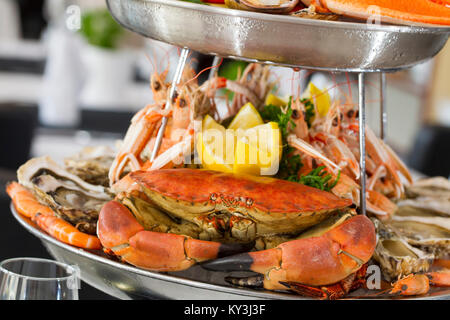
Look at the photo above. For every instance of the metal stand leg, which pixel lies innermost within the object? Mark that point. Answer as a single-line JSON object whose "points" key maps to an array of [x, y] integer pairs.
{"points": [[213, 71], [383, 114], [362, 141], [173, 90]]}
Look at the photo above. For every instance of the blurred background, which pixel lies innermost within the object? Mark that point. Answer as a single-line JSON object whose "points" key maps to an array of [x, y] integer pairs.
{"points": [[70, 77]]}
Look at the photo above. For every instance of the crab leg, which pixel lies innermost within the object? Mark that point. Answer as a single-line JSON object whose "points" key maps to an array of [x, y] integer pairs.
{"points": [[27, 205], [398, 11], [313, 261], [122, 234], [334, 291]]}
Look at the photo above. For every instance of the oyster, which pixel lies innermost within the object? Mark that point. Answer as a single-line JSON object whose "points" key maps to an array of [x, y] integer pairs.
{"points": [[396, 257], [310, 13], [427, 197], [436, 187], [424, 206], [72, 198], [431, 234], [424, 219], [267, 6], [92, 164]]}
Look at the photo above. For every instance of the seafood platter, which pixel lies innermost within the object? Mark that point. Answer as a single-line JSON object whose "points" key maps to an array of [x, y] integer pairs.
{"points": [[249, 194]]}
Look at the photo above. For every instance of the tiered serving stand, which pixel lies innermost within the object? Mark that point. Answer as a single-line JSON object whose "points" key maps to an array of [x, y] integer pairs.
{"points": [[333, 46]]}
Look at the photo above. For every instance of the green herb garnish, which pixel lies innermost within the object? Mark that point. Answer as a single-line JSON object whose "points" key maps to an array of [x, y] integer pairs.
{"points": [[309, 111], [291, 164], [317, 178]]}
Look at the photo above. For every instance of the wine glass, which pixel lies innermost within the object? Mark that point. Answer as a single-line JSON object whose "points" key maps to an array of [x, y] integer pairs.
{"points": [[37, 279]]}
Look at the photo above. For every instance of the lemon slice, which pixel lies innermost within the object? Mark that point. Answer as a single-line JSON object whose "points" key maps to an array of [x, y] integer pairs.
{"points": [[248, 117], [321, 99], [275, 101], [258, 150], [209, 123], [215, 146]]}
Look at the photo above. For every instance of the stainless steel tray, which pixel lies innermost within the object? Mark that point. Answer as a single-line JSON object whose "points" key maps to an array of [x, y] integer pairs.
{"points": [[128, 282], [279, 39]]}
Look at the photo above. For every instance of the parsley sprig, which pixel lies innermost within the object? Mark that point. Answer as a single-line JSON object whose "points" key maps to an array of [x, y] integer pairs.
{"points": [[290, 163], [309, 111], [317, 178]]}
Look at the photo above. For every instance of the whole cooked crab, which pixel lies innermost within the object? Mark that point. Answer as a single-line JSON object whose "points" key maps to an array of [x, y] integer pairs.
{"points": [[174, 218]]}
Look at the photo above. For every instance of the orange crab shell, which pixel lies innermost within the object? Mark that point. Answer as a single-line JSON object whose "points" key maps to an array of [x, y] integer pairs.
{"points": [[314, 261], [285, 205]]}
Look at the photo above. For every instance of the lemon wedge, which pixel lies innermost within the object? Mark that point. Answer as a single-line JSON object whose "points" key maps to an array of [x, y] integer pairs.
{"points": [[248, 146], [215, 146], [275, 101], [258, 150], [320, 98], [247, 117]]}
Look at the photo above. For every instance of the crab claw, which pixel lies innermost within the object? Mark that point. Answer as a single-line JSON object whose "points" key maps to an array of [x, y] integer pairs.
{"points": [[121, 234], [314, 261]]}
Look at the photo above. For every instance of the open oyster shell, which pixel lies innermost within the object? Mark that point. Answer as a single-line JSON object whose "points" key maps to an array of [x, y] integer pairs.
{"points": [[72, 198], [396, 257], [92, 164], [424, 219], [431, 234], [266, 6], [436, 187], [429, 196]]}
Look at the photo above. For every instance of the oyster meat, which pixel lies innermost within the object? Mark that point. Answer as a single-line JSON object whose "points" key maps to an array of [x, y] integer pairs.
{"points": [[396, 256], [72, 198], [266, 6]]}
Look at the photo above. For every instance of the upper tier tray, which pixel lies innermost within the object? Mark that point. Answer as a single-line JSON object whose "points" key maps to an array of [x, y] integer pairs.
{"points": [[280, 39]]}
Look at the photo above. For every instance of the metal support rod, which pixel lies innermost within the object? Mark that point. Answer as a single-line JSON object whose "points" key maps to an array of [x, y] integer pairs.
{"points": [[362, 141], [213, 71], [383, 114], [173, 89]]}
